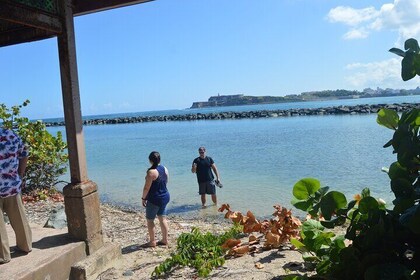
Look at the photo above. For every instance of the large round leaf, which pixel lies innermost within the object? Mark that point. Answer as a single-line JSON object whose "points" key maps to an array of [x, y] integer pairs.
{"points": [[331, 202], [305, 188], [388, 118], [411, 218], [311, 228], [408, 71], [367, 204], [397, 171], [411, 45], [303, 205]]}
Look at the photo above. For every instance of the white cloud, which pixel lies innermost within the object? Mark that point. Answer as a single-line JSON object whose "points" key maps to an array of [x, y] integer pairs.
{"points": [[350, 16], [356, 34], [385, 73], [401, 15]]}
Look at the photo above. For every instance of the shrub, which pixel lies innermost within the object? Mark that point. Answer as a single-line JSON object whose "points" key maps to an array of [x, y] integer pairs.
{"points": [[47, 158], [383, 243]]}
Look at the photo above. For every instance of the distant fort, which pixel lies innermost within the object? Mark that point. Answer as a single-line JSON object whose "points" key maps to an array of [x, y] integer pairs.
{"points": [[240, 99]]}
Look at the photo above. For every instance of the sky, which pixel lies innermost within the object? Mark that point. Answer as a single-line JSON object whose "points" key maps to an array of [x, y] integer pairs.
{"points": [[167, 54]]}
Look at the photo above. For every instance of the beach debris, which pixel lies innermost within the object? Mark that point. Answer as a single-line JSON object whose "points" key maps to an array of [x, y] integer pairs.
{"points": [[259, 265], [230, 243], [275, 231]]}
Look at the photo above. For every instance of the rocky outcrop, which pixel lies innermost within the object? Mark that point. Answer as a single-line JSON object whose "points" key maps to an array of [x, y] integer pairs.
{"points": [[338, 110]]}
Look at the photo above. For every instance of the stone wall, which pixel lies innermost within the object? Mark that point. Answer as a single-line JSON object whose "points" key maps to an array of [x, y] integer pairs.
{"points": [[339, 110]]}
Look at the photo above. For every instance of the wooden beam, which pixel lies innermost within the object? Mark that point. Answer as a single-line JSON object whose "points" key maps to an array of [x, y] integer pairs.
{"points": [[82, 7], [71, 96], [23, 35], [27, 16]]}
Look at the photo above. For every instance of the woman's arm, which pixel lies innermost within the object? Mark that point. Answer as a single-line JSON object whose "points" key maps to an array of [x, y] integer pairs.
{"points": [[150, 176]]}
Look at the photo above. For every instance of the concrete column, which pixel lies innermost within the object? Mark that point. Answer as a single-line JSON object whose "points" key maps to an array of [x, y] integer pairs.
{"points": [[80, 196]]}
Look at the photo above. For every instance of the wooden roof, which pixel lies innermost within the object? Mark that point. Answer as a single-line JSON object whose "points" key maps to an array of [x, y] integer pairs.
{"points": [[24, 21]]}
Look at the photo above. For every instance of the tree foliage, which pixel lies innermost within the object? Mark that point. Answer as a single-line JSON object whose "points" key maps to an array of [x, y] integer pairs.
{"points": [[47, 158], [382, 243]]}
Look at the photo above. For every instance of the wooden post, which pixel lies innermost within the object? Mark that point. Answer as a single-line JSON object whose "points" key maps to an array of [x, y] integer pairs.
{"points": [[71, 96], [81, 198]]}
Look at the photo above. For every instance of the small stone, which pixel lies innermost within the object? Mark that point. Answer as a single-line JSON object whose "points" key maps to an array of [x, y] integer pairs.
{"points": [[128, 273], [57, 218]]}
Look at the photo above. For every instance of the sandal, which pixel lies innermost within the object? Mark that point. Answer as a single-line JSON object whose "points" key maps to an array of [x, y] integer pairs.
{"points": [[161, 243], [148, 245]]}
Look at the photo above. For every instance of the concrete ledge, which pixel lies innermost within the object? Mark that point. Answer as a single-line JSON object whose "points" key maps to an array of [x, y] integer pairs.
{"points": [[52, 256], [104, 258]]}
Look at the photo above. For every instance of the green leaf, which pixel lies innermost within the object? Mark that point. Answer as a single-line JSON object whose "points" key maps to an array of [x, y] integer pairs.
{"points": [[397, 171], [408, 70], [365, 192], [305, 188], [397, 52], [311, 228], [411, 218], [303, 205], [411, 45], [321, 192], [297, 243], [388, 144], [388, 118], [367, 204], [411, 117], [402, 187], [388, 271], [402, 204], [331, 202]]}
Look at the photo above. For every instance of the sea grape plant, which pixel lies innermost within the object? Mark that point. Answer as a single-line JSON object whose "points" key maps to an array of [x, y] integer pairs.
{"points": [[410, 64], [47, 157], [382, 243]]}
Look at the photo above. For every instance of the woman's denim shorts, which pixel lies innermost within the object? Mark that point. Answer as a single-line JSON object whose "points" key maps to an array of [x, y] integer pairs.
{"points": [[152, 210]]}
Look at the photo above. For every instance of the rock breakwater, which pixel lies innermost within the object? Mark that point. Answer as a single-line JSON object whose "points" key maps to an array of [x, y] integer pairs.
{"points": [[338, 110]]}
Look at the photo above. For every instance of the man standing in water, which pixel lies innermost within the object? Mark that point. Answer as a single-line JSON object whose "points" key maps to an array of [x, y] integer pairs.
{"points": [[203, 166]]}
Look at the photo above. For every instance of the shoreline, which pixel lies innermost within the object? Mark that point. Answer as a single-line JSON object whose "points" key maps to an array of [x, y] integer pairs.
{"points": [[128, 229], [229, 115]]}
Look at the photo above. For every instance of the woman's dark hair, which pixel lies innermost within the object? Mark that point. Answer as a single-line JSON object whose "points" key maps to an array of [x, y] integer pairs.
{"points": [[154, 157]]}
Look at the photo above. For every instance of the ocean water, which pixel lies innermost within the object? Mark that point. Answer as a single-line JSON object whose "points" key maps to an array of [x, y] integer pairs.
{"points": [[259, 160]]}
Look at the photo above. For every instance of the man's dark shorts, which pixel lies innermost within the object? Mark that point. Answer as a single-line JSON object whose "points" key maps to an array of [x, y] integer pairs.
{"points": [[207, 188]]}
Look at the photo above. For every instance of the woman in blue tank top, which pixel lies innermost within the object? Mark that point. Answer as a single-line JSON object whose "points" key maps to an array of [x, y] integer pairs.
{"points": [[155, 198]]}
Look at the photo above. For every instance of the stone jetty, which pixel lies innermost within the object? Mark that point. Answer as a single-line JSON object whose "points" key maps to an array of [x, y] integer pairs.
{"points": [[338, 110]]}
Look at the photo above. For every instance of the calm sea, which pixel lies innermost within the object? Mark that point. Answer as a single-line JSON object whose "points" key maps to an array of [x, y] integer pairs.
{"points": [[259, 159]]}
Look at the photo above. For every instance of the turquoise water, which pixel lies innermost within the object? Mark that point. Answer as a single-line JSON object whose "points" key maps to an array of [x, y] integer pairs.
{"points": [[259, 159]]}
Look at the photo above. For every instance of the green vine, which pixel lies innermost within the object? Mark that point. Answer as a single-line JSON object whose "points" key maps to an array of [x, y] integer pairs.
{"points": [[201, 251]]}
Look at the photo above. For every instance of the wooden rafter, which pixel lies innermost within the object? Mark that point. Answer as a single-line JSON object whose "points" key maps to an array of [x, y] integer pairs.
{"points": [[27, 16], [23, 34], [82, 7]]}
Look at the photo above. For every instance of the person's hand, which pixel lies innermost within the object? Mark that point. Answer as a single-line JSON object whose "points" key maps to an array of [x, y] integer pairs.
{"points": [[144, 202]]}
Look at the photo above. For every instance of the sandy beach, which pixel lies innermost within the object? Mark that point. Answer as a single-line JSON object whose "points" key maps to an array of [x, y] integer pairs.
{"points": [[128, 229]]}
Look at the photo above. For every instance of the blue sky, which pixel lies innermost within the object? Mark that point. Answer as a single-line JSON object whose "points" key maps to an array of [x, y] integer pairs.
{"points": [[166, 54]]}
